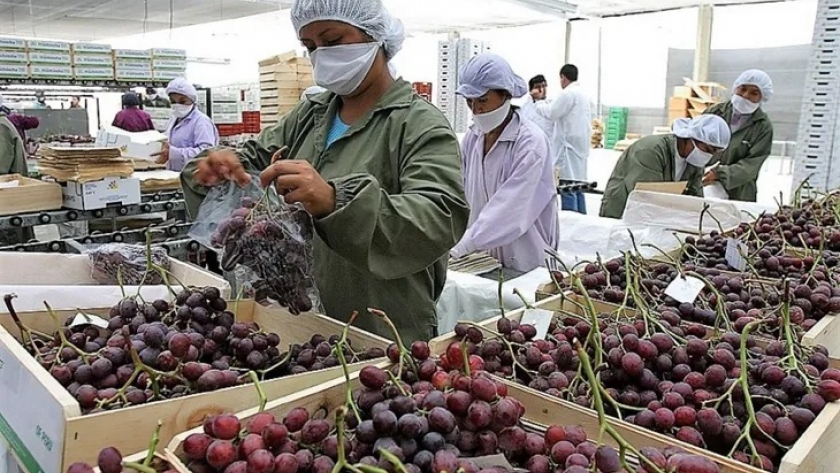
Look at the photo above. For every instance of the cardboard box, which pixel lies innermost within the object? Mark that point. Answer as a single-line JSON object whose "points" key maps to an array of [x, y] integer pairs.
{"points": [[280, 58], [12, 43], [46, 57], [678, 103], [132, 145], [13, 57], [169, 63], [50, 71], [39, 45], [227, 118], [91, 48], [20, 194], [225, 107], [673, 115], [127, 63], [168, 52], [167, 74], [69, 285], [102, 60], [132, 53], [683, 91], [133, 74], [224, 96], [89, 73], [14, 70], [100, 194]]}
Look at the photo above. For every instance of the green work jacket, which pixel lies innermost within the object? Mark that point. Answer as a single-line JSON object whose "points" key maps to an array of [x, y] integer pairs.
{"points": [[748, 148], [651, 159], [400, 205], [12, 155]]}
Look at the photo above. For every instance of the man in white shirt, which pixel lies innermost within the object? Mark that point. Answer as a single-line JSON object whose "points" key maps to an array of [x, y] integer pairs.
{"points": [[538, 87], [570, 113]]}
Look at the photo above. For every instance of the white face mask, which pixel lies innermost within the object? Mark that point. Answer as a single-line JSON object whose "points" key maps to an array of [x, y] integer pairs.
{"points": [[341, 69], [181, 110], [697, 157], [487, 122], [743, 106]]}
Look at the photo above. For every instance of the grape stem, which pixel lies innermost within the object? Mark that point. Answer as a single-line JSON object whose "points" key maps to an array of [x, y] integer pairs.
{"points": [[341, 462], [500, 295], [258, 386], [604, 425], [745, 387], [139, 467], [64, 342], [405, 355], [466, 357], [522, 298], [25, 332], [339, 353], [153, 445]]}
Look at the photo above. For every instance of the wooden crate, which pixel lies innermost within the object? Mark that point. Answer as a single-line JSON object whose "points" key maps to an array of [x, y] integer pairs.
{"points": [[48, 432], [804, 457], [30, 195], [540, 411]]}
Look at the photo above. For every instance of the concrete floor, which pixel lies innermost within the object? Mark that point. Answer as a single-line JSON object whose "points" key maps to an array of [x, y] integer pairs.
{"points": [[776, 176]]}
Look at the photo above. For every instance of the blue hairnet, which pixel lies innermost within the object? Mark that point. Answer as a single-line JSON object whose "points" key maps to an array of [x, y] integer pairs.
{"points": [[181, 86], [757, 78], [487, 72], [369, 16], [709, 129], [130, 99]]}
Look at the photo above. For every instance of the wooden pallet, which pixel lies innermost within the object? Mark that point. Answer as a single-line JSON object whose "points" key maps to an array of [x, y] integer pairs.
{"points": [[66, 436]]}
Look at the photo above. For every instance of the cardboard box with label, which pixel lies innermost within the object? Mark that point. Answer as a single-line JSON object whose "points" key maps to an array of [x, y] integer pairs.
{"points": [[100, 194], [101, 60], [91, 48], [133, 145], [49, 57], [14, 57], [92, 73], [14, 70], [38, 45], [51, 71], [12, 43]]}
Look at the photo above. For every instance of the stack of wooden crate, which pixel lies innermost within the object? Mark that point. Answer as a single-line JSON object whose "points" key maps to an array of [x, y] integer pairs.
{"points": [[693, 98], [283, 78]]}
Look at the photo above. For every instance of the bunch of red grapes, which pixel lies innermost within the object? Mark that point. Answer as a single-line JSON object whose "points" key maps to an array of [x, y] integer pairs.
{"points": [[274, 241], [662, 384], [154, 351]]}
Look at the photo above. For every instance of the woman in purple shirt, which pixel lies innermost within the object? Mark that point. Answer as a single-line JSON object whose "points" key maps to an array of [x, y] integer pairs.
{"points": [[508, 171], [131, 118], [190, 131]]}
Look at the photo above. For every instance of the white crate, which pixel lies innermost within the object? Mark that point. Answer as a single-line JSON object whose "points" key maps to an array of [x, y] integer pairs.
{"points": [[102, 60], [50, 71], [169, 53], [136, 64], [91, 48], [133, 74], [49, 57], [12, 43], [222, 95], [227, 118], [40, 45], [133, 54], [14, 70], [225, 107], [13, 57], [169, 63], [92, 72]]}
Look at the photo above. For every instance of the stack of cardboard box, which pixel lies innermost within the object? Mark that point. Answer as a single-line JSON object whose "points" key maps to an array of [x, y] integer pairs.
{"points": [[693, 99], [283, 78]]}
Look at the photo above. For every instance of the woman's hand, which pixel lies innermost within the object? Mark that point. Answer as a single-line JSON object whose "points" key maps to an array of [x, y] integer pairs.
{"points": [[710, 177], [221, 165], [162, 156], [298, 181]]}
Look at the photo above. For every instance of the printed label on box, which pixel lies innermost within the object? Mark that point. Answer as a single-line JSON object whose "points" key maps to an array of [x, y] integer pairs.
{"points": [[33, 429], [158, 74], [93, 60], [12, 43], [14, 70], [93, 72], [94, 48], [132, 53], [126, 63], [169, 63], [13, 56], [49, 45], [49, 58], [38, 70], [168, 52], [98, 194], [131, 74]]}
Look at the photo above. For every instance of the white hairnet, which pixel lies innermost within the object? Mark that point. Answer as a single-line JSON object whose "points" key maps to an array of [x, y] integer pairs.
{"points": [[757, 78], [369, 16], [181, 86], [313, 90], [709, 129], [487, 72]]}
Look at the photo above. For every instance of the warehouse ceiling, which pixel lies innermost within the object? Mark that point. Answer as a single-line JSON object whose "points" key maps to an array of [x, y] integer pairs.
{"points": [[81, 20]]}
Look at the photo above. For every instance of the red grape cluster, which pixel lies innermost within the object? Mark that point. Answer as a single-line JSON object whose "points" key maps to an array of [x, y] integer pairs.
{"points": [[690, 390], [274, 242], [110, 460], [153, 351]]}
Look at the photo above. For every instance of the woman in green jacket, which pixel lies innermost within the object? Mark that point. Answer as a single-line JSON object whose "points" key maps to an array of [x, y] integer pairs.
{"points": [[679, 156], [12, 154], [377, 166], [752, 136]]}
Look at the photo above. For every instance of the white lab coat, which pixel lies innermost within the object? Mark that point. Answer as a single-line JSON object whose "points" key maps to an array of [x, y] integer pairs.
{"points": [[529, 110], [570, 112]]}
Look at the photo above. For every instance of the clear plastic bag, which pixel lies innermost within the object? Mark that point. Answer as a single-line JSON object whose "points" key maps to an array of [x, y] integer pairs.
{"points": [[264, 242], [115, 263]]}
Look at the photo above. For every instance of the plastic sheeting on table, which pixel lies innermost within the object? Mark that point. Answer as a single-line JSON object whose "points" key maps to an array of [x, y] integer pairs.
{"points": [[679, 212], [473, 298]]}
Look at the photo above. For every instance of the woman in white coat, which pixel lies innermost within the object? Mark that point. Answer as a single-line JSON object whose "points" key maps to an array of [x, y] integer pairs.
{"points": [[571, 114]]}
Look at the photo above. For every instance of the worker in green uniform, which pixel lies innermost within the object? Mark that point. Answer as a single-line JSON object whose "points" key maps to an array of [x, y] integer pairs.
{"points": [[752, 136], [377, 166], [12, 155], [678, 156]]}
